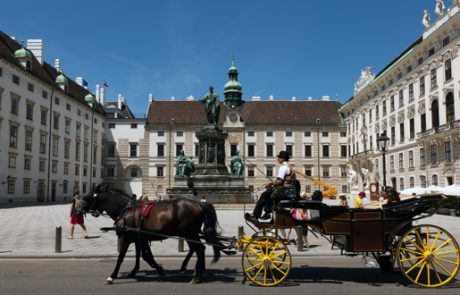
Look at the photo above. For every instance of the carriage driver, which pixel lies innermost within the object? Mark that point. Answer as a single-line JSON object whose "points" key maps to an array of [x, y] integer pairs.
{"points": [[275, 189]]}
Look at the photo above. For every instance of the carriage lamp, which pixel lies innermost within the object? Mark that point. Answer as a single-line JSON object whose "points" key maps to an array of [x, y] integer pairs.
{"points": [[382, 144]]}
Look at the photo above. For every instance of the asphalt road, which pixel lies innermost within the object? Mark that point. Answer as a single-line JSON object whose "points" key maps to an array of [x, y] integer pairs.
{"points": [[309, 275]]}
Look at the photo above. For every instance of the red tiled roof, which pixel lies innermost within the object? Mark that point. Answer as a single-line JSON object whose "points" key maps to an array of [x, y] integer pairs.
{"points": [[251, 112]]}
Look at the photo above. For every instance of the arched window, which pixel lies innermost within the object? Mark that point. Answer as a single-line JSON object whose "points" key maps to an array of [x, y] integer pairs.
{"points": [[450, 108], [434, 179], [412, 182], [422, 181], [401, 184], [435, 114]]}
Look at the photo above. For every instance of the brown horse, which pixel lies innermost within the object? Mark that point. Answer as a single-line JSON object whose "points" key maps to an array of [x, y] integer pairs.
{"points": [[176, 218]]}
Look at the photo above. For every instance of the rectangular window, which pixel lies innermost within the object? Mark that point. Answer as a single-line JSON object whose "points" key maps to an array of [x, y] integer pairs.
{"points": [[308, 151], [85, 152], [307, 134], [26, 187], [160, 172], [269, 150], [325, 151], [431, 51], [133, 150], [27, 163], [134, 172], [111, 150], [326, 134], [370, 116], [55, 146], [434, 155], [392, 163], [377, 112], [289, 149], [66, 168], [423, 122], [393, 135], [269, 133], [412, 128], [77, 151], [15, 79], [401, 98], [308, 171], [54, 167], [41, 165], [85, 171], [56, 121], [11, 183], [445, 41], [343, 134], [422, 157], [161, 133], [422, 85], [448, 70], [67, 148], [111, 125], [30, 87], [30, 111], [401, 132], [288, 133], [434, 79], [179, 133], [392, 103], [14, 105], [343, 151], [45, 94], [161, 150], [12, 161], [57, 101], [251, 150], [110, 171], [448, 151], [343, 171], [409, 69], [401, 161], [326, 171], [179, 148], [269, 172], [134, 126], [13, 136], [77, 169], [28, 140], [43, 117], [250, 133], [67, 125], [65, 187], [411, 92], [251, 172], [384, 108], [233, 149], [68, 107], [78, 130]]}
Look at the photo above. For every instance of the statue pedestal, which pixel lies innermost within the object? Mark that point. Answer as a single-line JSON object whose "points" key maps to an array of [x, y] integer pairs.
{"points": [[211, 178]]}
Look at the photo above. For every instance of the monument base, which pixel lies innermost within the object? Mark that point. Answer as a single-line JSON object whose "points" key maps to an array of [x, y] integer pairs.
{"points": [[216, 189]]}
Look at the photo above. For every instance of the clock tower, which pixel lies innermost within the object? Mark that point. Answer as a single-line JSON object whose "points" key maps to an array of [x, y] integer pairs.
{"points": [[233, 90]]}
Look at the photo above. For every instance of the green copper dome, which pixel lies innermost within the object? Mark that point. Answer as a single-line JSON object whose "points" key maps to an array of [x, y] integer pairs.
{"points": [[62, 80], [90, 98], [233, 85], [23, 53]]}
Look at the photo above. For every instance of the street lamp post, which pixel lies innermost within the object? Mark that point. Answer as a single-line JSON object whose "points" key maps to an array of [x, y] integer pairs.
{"points": [[382, 143]]}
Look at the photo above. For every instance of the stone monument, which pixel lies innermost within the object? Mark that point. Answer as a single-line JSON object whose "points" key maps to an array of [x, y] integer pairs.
{"points": [[211, 177]]}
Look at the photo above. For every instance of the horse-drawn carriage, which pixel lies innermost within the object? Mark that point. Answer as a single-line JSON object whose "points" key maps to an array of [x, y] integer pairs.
{"points": [[427, 255]]}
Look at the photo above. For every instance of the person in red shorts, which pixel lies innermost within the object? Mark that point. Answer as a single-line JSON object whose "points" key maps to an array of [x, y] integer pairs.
{"points": [[77, 218]]}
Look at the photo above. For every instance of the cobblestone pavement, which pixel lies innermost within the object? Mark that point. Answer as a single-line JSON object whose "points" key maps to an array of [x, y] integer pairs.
{"points": [[29, 231]]}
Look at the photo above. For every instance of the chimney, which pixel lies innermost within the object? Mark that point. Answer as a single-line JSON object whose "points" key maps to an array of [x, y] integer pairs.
{"points": [[293, 98], [190, 98], [310, 98], [119, 101], [101, 96], [150, 98], [326, 98], [271, 97], [97, 93], [36, 47], [255, 98], [57, 64]]}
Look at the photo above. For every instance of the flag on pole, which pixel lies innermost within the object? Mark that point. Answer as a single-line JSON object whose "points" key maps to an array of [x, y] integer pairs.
{"points": [[105, 84]]}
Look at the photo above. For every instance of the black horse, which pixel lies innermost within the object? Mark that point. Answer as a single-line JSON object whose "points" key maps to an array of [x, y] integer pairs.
{"points": [[176, 218]]}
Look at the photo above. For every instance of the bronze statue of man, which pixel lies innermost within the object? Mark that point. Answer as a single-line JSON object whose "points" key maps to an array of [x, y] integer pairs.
{"points": [[212, 106]]}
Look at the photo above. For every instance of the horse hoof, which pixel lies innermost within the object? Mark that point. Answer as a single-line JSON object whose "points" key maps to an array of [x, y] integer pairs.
{"points": [[108, 281]]}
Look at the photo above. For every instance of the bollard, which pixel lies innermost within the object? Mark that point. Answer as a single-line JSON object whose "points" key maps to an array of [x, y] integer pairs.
{"points": [[240, 236], [299, 233], [181, 245], [58, 241]]}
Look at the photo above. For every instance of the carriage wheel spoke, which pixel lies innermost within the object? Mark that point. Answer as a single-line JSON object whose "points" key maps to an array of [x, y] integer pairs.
{"points": [[274, 248], [420, 272], [412, 251], [446, 260], [441, 266], [253, 266], [428, 273], [279, 270], [279, 254], [255, 253], [418, 237], [447, 252], [411, 258], [435, 240], [436, 272], [416, 246], [265, 276], [427, 242], [280, 262], [257, 274], [273, 275], [442, 245], [413, 266]]}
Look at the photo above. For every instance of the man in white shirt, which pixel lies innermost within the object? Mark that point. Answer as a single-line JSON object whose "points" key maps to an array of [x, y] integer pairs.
{"points": [[284, 176]]}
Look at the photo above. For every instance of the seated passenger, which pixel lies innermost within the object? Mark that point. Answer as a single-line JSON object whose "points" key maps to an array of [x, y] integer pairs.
{"points": [[316, 196], [359, 200], [343, 201], [284, 179], [390, 195]]}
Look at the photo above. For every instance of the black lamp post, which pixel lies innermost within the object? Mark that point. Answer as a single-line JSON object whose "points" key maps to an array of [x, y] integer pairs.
{"points": [[382, 143]]}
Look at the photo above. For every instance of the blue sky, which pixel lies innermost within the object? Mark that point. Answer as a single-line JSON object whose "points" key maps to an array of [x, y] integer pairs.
{"points": [[178, 48]]}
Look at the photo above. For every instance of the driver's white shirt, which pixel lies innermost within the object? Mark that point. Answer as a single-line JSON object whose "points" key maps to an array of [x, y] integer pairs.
{"points": [[283, 171]]}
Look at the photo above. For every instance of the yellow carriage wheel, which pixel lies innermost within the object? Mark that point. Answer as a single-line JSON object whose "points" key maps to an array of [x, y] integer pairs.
{"points": [[428, 256], [266, 261]]}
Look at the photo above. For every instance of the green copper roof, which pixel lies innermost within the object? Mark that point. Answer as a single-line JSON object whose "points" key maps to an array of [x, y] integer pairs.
{"points": [[90, 98], [62, 80], [233, 85], [23, 53]]}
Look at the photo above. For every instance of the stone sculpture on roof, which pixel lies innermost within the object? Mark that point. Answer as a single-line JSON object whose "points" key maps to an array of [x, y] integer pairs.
{"points": [[426, 19], [365, 78], [439, 8]]}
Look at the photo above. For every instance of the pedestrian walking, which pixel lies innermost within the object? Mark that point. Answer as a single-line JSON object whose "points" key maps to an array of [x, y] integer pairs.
{"points": [[77, 218]]}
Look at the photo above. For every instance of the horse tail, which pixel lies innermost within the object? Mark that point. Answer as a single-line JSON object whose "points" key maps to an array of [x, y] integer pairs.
{"points": [[210, 229]]}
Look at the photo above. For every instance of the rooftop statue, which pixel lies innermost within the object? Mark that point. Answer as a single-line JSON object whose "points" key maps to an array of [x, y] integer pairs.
{"points": [[212, 106], [439, 8], [365, 78], [426, 19], [457, 3]]}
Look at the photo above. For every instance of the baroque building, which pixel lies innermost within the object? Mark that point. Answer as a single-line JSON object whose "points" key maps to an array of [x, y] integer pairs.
{"points": [[415, 101], [51, 127]]}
